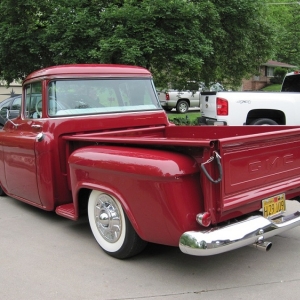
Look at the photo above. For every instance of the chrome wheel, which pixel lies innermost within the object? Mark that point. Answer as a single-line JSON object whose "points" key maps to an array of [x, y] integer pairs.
{"points": [[182, 107], [111, 227], [108, 219]]}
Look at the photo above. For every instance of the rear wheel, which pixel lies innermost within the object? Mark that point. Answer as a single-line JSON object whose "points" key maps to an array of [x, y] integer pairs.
{"points": [[264, 121], [182, 106], [111, 227]]}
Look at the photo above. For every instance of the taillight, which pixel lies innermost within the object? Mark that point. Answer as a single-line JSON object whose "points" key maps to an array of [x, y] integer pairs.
{"points": [[222, 107], [167, 96], [204, 219]]}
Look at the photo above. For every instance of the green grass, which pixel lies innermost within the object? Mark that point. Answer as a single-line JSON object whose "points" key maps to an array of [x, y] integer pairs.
{"points": [[272, 88]]}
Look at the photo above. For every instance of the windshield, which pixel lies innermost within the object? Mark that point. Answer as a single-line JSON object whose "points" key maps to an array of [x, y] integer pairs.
{"points": [[90, 96]]}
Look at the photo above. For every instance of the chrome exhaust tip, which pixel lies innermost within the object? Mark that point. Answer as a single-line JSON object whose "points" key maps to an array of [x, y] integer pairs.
{"points": [[262, 246]]}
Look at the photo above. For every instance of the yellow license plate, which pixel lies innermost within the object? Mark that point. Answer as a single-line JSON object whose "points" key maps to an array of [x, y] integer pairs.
{"points": [[273, 206]]}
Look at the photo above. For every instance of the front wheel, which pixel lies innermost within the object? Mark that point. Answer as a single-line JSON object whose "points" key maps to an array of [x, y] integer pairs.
{"points": [[182, 107], [264, 121], [111, 227]]}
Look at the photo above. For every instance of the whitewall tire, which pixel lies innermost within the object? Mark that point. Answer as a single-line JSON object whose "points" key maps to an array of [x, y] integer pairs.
{"points": [[111, 227]]}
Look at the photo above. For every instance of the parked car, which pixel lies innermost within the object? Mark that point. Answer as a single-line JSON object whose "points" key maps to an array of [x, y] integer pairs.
{"points": [[183, 100], [253, 108], [13, 104]]}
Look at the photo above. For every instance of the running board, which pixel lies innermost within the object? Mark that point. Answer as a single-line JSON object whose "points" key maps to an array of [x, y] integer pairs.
{"points": [[67, 211]]}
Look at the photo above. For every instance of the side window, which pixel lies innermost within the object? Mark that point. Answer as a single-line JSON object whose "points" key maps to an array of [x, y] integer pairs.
{"points": [[33, 100]]}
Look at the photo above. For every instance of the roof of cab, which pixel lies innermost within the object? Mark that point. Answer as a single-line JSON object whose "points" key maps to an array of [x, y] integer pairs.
{"points": [[297, 72], [88, 70]]}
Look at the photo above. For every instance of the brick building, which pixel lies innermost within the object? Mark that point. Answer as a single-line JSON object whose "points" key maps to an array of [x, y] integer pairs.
{"points": [[266, 72]]}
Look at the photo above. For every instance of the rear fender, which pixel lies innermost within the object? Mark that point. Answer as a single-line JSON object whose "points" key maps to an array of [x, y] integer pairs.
{"points": [[159, 190], [273, 114]]}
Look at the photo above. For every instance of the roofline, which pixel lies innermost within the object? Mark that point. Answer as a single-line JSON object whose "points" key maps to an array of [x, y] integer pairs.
{"points": [[79, 70], [272, 63]]}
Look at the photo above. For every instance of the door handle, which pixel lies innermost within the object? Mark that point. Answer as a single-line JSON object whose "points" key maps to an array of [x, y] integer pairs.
{"points": [[39, 137]]}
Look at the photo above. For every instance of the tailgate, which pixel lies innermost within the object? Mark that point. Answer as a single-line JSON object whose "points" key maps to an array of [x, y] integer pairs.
{"points": [[208, 104], [254, 168]]}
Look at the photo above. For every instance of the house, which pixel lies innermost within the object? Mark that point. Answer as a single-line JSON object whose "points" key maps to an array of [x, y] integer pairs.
{"points": [[14, 88], [266, 72]]}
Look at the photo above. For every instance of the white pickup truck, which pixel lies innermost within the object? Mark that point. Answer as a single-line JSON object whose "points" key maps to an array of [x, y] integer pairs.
{"points": [[253, 108], [183, 100]]}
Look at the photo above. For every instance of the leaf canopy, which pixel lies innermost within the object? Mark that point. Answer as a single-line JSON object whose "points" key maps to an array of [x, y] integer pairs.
{"points": [[177, 40]]}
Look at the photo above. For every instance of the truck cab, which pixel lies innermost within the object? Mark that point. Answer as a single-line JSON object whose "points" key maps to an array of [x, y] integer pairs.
{"points": [[60, 101]]}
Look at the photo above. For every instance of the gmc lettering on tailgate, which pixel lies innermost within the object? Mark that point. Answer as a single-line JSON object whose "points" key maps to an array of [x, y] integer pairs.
{"points": [[270, 163], [254, 169]]}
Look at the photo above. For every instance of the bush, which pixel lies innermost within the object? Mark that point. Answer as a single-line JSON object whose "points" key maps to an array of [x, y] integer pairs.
{"points": [[184, 121], [279, 74]]}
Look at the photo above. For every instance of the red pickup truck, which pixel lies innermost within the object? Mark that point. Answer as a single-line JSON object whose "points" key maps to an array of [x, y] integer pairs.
{"points": [[94, 139]]}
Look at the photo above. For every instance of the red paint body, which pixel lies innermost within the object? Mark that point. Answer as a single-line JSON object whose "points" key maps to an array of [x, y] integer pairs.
{"points": [[151, 166]]}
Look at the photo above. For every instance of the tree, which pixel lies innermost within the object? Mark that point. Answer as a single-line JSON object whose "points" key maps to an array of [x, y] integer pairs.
{"points": [[244, 42], [167, 37], [178, 40], [284, 17], [21, 45]]}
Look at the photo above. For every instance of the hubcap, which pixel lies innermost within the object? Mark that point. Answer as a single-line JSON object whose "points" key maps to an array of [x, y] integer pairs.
{"points": [[183, 107], [107, 218]]}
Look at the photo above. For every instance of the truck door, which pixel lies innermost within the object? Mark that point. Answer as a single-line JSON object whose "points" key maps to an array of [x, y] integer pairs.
{"points": [[19, 149]]}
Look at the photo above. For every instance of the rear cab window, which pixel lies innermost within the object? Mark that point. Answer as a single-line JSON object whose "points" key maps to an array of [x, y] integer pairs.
{"points": [[93, 96]]}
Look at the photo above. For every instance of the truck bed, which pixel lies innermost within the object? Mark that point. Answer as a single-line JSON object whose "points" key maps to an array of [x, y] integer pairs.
{"points": [[257, 162]]}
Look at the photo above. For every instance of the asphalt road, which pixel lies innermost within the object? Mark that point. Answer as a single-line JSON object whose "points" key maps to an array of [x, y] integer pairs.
{"points": [[44, 256]]}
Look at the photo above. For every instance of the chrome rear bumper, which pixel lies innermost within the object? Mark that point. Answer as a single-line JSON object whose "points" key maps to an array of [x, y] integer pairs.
{"points": [[253, 230]]}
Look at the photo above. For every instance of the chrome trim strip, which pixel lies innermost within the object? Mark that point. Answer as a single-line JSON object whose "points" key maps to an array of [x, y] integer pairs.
{"points": [[237, 235]]}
